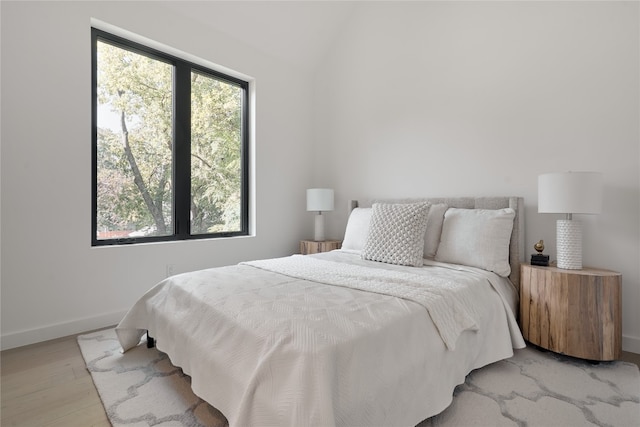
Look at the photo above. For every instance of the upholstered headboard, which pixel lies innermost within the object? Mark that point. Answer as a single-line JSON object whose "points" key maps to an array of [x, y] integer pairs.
{"points": [[516, 246]]}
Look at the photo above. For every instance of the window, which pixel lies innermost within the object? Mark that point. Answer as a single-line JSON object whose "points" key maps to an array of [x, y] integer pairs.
{"points": [[170, 147]]}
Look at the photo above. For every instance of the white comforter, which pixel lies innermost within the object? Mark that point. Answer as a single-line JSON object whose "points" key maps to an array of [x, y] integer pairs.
{"points": [[273, 349]]}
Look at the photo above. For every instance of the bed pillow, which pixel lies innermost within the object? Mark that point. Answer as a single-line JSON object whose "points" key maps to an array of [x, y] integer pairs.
{"points": [[434, 229], [396, 233], [478, 238], [355, 235]]}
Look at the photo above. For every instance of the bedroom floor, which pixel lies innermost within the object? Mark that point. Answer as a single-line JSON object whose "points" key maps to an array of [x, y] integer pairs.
{"points": [[47, 384]]}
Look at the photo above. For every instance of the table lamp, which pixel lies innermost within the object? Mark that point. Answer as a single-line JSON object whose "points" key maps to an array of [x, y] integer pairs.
{"points": [[570, 193], [319, 200]]}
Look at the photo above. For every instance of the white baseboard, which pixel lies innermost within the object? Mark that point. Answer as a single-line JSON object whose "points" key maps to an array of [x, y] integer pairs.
{"points": [[631, 344], [59, 330]]}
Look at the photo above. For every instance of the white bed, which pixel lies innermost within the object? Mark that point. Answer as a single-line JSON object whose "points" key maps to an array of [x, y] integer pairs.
{"points": [[339, 339]]}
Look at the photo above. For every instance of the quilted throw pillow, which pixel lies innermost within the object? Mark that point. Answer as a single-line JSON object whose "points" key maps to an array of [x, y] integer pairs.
{"points": [[396, 233]]}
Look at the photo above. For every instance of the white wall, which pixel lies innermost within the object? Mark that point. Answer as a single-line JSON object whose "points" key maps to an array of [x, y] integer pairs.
{"points": [[53, 282], [478, 99]]}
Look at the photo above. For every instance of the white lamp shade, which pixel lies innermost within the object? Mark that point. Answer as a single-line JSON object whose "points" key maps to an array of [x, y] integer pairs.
{"points": [[319, 199], [570, 192]]}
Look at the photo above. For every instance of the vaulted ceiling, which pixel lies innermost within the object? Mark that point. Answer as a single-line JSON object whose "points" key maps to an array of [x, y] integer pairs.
{"points": [[298, 32]]}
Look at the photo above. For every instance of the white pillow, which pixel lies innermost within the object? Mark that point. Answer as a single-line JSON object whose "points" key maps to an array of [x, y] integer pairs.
{"points": [[434, 229], [355, 235], [478, 238], [396, 233]]}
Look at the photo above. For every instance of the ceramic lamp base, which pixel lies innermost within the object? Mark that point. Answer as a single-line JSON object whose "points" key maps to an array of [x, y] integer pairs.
{"points": [[318, 235], [569, 241]]}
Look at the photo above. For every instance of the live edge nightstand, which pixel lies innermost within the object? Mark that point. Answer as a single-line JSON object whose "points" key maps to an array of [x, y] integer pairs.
{"points": [[313, 247], [573, 312]]}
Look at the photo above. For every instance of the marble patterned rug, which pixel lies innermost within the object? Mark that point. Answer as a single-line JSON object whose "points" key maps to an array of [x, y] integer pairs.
{"points": [[533, 388]]}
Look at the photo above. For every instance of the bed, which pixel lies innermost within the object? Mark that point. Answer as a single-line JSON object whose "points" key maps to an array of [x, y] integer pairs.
{"points": [[379, 332]]}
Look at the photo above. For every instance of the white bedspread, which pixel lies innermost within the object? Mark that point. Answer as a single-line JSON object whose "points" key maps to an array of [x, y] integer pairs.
{"points": [[267, 348], [450, 302]]}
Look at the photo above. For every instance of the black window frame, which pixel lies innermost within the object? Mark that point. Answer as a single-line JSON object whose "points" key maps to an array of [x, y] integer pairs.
{"points": [[181, 143]]}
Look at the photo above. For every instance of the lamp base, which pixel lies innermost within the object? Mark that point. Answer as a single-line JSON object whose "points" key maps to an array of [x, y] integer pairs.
{"points": [[569, 241], [318, 234]]}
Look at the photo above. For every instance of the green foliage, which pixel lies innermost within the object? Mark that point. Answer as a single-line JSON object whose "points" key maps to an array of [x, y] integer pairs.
{"points": [[215, 154], [135, 154]]}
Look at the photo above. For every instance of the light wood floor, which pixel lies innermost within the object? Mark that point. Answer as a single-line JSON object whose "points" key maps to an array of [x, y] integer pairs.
{"points": [[47, 384]]}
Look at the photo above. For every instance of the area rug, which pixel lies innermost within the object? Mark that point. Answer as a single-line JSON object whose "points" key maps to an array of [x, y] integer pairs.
{"points": [[533, 388]]}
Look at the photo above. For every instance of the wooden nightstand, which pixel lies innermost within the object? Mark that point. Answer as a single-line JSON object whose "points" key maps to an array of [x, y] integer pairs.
{"points": [[313, 247], [573, 312]]}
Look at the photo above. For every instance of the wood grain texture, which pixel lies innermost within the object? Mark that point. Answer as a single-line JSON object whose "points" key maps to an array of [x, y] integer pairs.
{"points": [[312, 247], [47, 384], [573, 312]]}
